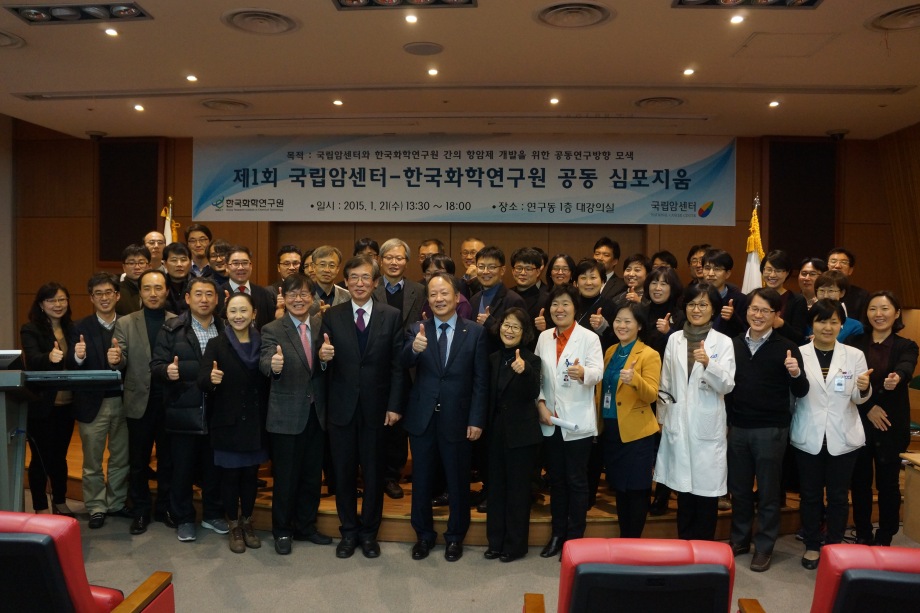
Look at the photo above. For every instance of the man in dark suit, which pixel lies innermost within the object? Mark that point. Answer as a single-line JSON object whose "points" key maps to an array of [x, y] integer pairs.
{"points": [[607, 252], [717, 268], [100, 414], [490, 302], [856, 298], [239, 267], [447, 411], [408, 297], [360, 354], [296, 415]]}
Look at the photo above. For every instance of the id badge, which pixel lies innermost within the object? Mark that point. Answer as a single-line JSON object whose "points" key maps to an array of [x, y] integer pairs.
{"points": [[607, 400], [839, 384]]}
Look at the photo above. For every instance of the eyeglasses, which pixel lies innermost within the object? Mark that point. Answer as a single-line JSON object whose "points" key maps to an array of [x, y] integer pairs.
{"points": [[198, 241], [698, 306], [136, 263], [487, 267], [511, 327], [326, 265], [758, 311], [711, 268], [823, 291], [468, 252], [835, 262], [399, 259], [56, 300], [561, 269], [696, 261], [769, 270], [104, 294], [295, 295], [361, 278], [527, 269], [217, 256], [809, 273], [239, 264]]}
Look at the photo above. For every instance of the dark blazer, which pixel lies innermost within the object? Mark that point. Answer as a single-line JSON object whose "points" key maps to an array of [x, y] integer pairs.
{"points": [[36, 347], [795, 319], [86, 403], [504, 299], [896, 402], [265, 300], [178, 339], [292, 390], [460, 388], [513, 399], [370, 382], [236, 407], [737, 324], [856, 300], [413, 299], [613, 288]]}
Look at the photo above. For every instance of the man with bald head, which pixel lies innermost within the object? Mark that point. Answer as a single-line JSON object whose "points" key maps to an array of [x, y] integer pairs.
{"points": [[155, 242]]}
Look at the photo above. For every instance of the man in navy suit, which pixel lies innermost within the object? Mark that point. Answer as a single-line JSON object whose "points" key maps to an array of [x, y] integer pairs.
{"points": [[362, 340], [446, 412]]}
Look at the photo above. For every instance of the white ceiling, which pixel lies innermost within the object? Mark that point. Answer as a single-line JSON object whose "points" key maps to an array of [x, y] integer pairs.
{"points": [[498, 70]]}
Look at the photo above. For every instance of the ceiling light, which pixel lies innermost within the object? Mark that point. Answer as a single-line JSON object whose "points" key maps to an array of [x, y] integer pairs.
{"points": [[65, 13], [337, 102], [688, 71], [736, 19], [756, 4], [554, 100], [433, 71], [96, 12], [191, 78], [348, 5], [418, 2], [387, 2], [111, 31], [351, 3], [34, 15], [124, 10], [774, 104], [411, 18], [73, 13], [138, 107]]}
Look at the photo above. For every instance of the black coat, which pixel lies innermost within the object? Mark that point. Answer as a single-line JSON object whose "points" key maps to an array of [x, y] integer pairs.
{"points": [[37, 344], [236, 407], [513, 399], [177, 339], [86, 403]]}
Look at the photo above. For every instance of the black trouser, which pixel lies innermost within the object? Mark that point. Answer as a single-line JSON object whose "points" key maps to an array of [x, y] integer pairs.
{"points": [[568, 482], [818, 473], [143, 432], [887, 468], [697, 516], [49, 438], [192, 456], [351, 445], [298, 466], [508, 520], [238, 489]]}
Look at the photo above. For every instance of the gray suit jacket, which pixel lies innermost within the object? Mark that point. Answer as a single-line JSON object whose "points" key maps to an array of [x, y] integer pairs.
{"points": [[131, 334], [292, 391], [413, 300]]}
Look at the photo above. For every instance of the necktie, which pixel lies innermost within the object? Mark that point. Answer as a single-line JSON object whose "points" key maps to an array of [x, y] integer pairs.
{"points": [[360, 321], [305, 341], [241, 289], [442, 343]]}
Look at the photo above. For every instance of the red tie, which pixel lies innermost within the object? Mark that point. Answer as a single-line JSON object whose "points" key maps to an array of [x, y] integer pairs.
{"points": [[305, 341], [242, 289]]}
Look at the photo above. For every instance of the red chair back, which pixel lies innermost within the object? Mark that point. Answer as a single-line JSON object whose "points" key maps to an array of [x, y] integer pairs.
{"points": [[837, 559]]}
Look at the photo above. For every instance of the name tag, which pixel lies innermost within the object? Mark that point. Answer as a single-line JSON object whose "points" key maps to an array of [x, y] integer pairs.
{"points": [[839, 383]]}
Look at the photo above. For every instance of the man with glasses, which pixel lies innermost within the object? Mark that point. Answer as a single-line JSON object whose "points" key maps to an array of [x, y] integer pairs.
{"points": [[407, 297], [326, 262], [135, 259], [155, 242], [468, 250], [768, 367], [695, 260], [856, 298], [239, 267], [490, 302], [834, 285], [717, 268], [100, 415], [362, 340], [217, 260], [526, 266], [198, 238]]}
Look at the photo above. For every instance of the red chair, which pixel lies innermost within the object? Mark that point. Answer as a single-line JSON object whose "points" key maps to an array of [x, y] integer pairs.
{"points": [[41, 569], [634, 563]]}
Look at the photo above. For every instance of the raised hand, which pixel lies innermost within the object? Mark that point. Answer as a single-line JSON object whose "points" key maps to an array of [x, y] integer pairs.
{"points": [[700, 355], [279, 301], [79, 350], [728, 310], [891, 381], [482, 317], [56, 354], [664, 325], [576, 371], [632, 296], [277, 360], [518, 364], [540, 322], [424, 316], [862, 381], [420, 343], [326, 350], [172, 371], [596, 320], [217, 375], [113, 355], [628, 374], [323, 306], [791, 364]]}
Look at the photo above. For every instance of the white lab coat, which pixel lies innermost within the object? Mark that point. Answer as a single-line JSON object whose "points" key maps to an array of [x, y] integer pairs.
{"points": [[693, 455], [825, 411], [574, 403]]}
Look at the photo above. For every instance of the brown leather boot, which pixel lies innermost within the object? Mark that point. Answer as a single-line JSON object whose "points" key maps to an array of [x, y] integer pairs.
{"points": [[237, 544], [249, 535]]}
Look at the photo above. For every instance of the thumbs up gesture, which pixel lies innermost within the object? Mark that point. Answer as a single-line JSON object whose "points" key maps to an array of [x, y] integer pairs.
{"points": [[172, 371], [424, 316], [482, 317], [326, 350], [79, 350], [699, 355], [728, 310], [277, 360], [792, 365], [518, 364], [862, 381], [891, 381], [279, 301], [631, 295], [596, 320], [664, 325], [576, 371], [217, 375], [628, 374], [113, 355], [540, 321], [323, 307], [56, 354], [420, 343]]}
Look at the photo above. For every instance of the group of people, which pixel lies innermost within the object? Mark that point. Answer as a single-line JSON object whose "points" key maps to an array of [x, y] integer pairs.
{"points": [[574, 370]]}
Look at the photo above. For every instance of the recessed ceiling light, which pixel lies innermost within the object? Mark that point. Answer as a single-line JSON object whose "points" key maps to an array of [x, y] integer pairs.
{"points": [[411, 18], [737, 19], [689, 71], [138, 107], [337, 102], [191, 78], [433, 71], [554, 100], [111, 31], [774, 104]]}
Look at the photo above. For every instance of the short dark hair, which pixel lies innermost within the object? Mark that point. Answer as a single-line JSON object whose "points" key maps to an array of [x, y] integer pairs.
{"points": [[135, 250], [818, 264], [527, 330], [833, 277], [552, 261], [696, 249], [768, 294], [150, 271], [665, 256], [285, 249], [441, 261], [898, 323], [433, 241], [692, 292], [850, 255], [640, 312], [719, 257], [543, 255], [102, 278], [220, 246], [527, 255], [366, 243], [641, 259], [239, 249], [176, 249], [778, 259], [297, 281], [199, 227], [824, 309], [362, 260], [606, 241], [206, 280], [493, 252], [585, 265], [563, 290], [669, 275], [454, 283], [235, 295]]}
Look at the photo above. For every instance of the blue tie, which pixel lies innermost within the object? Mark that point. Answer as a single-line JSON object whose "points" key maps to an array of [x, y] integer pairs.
{"points": [[442, 344]]}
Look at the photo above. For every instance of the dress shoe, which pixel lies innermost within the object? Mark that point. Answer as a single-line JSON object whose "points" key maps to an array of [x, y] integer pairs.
{"points": [[139, 525], [510, 557], [553, 547], [492, 554], [168, 520], [421, 549], [810, 559], [761, 562], [318, 538], [283, 545], [346, 547], [454, 551], [738, 549], [370, 548], [869, 541], [483, 506], [440, 501], [61, 509], [122, 512], [96, 520], [393, 490]]}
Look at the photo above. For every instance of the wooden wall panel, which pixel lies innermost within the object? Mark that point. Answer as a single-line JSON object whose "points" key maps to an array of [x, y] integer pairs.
{"points": [[54, 178], [49, 250]]}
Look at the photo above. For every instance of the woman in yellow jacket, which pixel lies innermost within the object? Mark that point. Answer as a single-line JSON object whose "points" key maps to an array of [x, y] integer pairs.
{"points": [[626, 422]]}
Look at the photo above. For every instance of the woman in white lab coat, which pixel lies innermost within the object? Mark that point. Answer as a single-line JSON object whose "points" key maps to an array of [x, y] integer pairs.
{"points": [[697, 371], [826, 429], [572, 364]]}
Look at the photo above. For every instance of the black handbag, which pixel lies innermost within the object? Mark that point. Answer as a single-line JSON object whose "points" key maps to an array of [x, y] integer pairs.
{"points": [[188, 420]]}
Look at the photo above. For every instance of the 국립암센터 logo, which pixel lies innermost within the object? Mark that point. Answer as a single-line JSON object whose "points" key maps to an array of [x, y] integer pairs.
{"points": [[705, 209]]}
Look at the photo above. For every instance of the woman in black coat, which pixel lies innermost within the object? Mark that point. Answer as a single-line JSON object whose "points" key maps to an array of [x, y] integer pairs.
{"points": [[515, 437], [237, 400], [885, 418], [49, 424]]}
